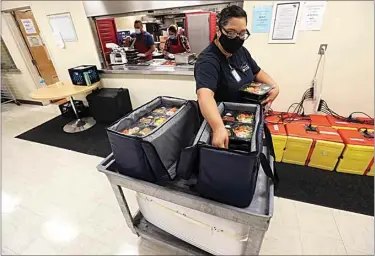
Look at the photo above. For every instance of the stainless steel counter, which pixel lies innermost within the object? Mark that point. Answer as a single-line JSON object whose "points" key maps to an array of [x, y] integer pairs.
{"points": [[155, 68]]}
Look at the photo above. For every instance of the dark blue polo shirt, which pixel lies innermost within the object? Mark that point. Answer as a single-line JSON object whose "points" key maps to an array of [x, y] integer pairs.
{"points": [[148, 39], [212, 70]]}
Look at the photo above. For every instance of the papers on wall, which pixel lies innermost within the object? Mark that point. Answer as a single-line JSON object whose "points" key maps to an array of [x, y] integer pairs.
{"points": [[58, 39], [312, 15], [262, 16], [285, 22], [34, 41], [63, 24], [29, 26]]}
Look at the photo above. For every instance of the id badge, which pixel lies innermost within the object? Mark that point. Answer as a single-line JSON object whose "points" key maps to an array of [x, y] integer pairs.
{"points": [[236, 75]]}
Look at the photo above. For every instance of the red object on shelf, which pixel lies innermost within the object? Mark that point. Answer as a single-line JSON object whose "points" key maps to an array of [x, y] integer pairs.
{"points": [[107, 33]]}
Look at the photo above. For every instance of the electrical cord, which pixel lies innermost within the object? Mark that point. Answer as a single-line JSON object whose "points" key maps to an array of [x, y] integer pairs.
{"points": [[293, 114], [325, 109], [359, 112]]}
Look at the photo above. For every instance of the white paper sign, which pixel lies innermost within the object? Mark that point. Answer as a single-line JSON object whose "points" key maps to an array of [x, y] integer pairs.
{"points": [[312, 15], [58, 39], [29, 26], [285, 21], [34, 41], [63, 24]]}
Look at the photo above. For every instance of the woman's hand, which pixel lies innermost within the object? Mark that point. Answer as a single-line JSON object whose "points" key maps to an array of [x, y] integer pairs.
{"points": [[271, 97], [220, 137]]}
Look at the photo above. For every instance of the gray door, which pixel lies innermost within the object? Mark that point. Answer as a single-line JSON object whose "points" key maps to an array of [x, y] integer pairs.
{"points": [[198, 31]]}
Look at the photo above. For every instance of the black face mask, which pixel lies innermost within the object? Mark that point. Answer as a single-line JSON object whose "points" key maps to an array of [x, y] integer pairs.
{"points": [[230, 45]]}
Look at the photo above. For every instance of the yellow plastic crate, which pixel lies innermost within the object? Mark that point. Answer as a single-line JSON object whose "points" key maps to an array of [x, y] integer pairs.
{"points": [[296, 150], [355, 159], [279, 142], [326, 154]]}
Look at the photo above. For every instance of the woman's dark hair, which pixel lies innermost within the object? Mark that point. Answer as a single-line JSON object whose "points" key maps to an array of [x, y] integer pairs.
{"points": [[137, 21], [172, 28], [227, 13]]}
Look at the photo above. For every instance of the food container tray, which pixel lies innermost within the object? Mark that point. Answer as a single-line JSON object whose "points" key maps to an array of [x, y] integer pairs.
{"points": [[255, 92]]}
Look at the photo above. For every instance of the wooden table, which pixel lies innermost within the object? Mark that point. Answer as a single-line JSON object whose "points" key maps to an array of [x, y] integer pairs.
{"points": [[66, 89]]}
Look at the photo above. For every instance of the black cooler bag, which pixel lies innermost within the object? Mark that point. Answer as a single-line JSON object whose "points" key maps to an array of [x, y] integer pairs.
{"points": [[153, 157], [228, 175], [109, 104]]}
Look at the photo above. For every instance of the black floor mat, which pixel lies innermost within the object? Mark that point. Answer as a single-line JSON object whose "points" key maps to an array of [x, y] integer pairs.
{"points": [[94, 141], [354, 193], [348, 192]]}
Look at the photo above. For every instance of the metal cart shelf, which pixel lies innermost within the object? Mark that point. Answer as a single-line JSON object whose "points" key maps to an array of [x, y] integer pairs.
{"points": [[257, 216]]}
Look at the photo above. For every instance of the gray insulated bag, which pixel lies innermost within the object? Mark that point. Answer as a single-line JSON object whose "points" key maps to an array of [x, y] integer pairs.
{"points": [[153, 157], [229, 175]]}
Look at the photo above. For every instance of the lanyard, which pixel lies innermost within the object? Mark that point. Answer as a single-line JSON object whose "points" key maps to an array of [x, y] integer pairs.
{"points": [[234, 73]]}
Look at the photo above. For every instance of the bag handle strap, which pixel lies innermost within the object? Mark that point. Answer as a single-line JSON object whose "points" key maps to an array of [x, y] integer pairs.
{"points": [[269, 143], [268, 171], [264, 161]]}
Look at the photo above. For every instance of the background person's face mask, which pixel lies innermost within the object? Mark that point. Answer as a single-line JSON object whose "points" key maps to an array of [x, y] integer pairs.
{"points": [[173, 36], [230, 45], [137, 30]]}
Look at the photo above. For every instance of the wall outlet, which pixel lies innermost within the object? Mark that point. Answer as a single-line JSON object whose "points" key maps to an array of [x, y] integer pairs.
{"points": [[322, 49]]}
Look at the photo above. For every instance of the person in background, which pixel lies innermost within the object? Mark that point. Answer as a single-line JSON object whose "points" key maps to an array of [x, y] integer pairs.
{"points": [[224, 67], [144, 43], [175, 43]]}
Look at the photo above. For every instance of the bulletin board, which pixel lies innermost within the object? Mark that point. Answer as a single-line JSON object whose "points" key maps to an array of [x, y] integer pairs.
{"points": [[63, 24]]}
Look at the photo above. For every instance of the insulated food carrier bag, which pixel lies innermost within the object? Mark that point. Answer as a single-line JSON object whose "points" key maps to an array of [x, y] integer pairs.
{"points": [[228, 175], [153, 157]]}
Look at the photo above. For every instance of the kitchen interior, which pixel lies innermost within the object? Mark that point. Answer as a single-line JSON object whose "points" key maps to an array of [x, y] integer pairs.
{"points": [[196, 20]]}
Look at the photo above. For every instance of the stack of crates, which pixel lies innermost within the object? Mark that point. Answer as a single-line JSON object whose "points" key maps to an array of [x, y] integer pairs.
{"points": [[358, 152], [298, 144], [321, 148], [328, 147], [279, 139]]}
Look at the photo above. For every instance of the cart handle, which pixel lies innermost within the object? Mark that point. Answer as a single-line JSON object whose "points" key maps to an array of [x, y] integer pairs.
{"points": [[108, 161]]}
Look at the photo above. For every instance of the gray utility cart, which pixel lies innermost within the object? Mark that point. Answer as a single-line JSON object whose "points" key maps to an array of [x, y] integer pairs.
{"points": [[257, 216]]}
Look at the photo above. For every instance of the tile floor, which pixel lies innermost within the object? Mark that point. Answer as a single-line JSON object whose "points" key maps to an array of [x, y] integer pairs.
{"points": [[55, 202]]}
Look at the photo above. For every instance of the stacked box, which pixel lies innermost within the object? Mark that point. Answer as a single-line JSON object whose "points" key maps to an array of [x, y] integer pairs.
{"points": [[326, 149], [298, 144], [358, 152], [279, 139], [318, 148]]}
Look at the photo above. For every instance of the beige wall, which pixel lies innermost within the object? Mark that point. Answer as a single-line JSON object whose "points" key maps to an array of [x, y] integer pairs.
{"points": [[126, 23], [80, 52], [143, 88], [348, 29], [348, 83]]}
